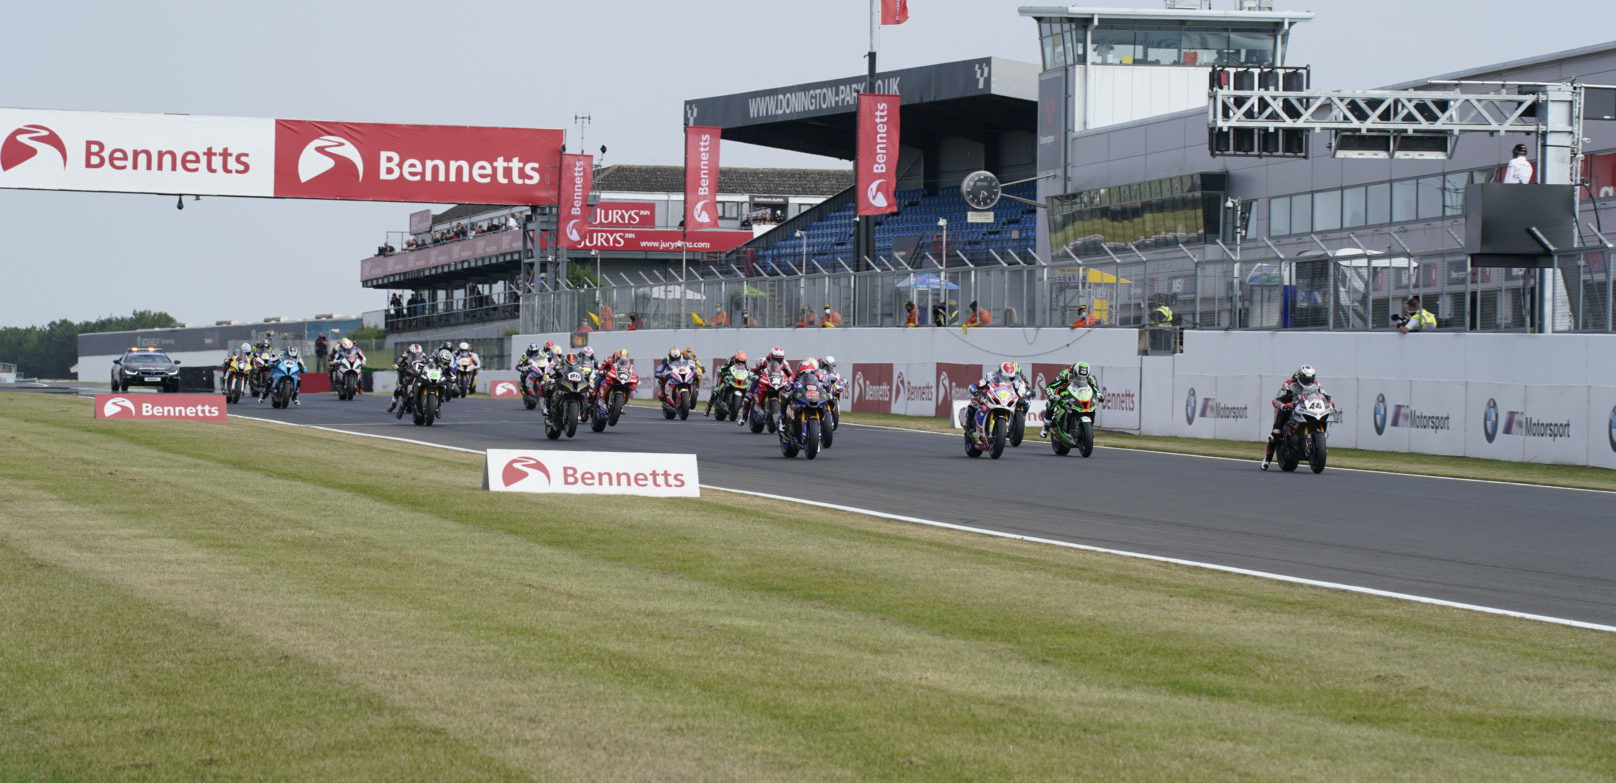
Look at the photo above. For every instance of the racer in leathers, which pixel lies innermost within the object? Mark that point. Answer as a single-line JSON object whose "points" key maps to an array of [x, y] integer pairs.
{"points": [[297, 380], [720, 374], [1009, 373], [619, 359], [345, 349], [807, 371], [774, 361], [1304, 376], [689, 355], [408, 364], [463, 351], [662, 371], [1079, 373]]}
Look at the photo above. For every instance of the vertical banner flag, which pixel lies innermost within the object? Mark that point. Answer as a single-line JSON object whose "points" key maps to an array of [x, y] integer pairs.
{"points": [[877, 154], [701, 177], [577, 179], [894, 11]]}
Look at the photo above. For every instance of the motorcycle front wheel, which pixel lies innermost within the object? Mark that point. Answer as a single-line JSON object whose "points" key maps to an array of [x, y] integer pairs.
{"points": [[616, 409], [1316, 460], [811, 441], [1085, 438], [999, 437], [571, 413], [1018, 428], [430, 403], [684, 406], [772, 417]]}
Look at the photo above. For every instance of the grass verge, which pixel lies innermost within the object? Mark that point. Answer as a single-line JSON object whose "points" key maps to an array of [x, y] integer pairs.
{"points": [[248, 601]]}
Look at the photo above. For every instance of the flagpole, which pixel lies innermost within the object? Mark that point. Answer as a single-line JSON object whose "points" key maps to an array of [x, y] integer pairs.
{"points": [[864, 234]]}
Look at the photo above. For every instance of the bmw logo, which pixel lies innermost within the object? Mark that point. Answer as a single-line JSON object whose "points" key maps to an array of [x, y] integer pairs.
{"points": [[1189, 407], [1489, 420], [1380, 414], [1611, 431]]}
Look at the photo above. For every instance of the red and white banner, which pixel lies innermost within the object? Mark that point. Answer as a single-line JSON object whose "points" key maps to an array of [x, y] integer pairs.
{"points": [[701, 177], [592, 473], [663, 240], [577, 179], [877, 154], [182, 407], [245, 156], [504, 389], [894, 11], [624, 214]]}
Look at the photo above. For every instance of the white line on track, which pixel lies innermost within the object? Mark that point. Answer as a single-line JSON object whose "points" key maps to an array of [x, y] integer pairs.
{"points": [[1067, 544]]}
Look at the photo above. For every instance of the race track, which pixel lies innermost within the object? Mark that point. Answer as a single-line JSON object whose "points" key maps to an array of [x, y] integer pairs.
{"points": [[1534, 550]]}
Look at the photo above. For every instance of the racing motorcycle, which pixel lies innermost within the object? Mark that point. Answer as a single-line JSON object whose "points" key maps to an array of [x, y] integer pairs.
{"points": [[676, 397], [729, 394], [802, 425], [238, 378], [833, 382], [262, 363], [431, 388], [532, 381], [345, 373], [763, 408], [466, 376], [1018, 423], [617, 385], [283, 381], [1303, 435], [988, 426], [1071, 419], [568, 394]]}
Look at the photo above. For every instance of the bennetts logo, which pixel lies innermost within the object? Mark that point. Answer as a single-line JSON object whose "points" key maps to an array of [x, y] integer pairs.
{"points": [[320, 156], [522, 468], [873, 194], [24, 143], [118, 408]]}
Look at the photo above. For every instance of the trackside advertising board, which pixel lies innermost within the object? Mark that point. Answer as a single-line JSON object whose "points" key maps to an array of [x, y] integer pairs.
{"points": [[247, 156], [592, 473], [181, 407]]}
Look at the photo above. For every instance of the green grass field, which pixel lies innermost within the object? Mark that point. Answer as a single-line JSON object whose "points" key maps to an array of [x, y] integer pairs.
{"points": [[245, 601]]}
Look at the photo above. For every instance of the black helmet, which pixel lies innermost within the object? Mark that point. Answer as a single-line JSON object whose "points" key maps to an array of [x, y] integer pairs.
{"points": [[1520, 149]]}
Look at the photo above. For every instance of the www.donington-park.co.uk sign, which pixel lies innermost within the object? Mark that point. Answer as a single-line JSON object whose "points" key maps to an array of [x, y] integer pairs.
{"points": [[244, 156]]}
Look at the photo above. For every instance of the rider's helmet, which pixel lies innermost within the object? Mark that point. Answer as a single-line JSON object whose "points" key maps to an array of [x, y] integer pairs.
{"points": [[291, 353], [572, 358], [532, 348], [829, 363], [809, 364], [673, 354], [246, 347], [740, 356], [690, 353], [345, 344], [465, 346], [1008, 370], [415, 349], [778, 354], [587, 353], [621, 355], [1082, 369], [549, 347], [1306, 375]]}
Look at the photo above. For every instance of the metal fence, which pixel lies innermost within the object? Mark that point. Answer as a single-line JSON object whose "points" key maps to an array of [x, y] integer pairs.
{"points": [[1307, 282]]}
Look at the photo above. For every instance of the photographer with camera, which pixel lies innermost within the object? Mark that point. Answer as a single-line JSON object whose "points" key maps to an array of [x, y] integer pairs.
{"points": [[1414, 318]]}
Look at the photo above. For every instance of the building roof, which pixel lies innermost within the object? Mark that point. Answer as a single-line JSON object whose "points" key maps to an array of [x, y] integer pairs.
{"points": [[773, 182], [1510, 65], [1156, 15]]}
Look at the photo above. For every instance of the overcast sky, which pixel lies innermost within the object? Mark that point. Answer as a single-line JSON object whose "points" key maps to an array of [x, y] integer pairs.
{"points": [[628, 64]]}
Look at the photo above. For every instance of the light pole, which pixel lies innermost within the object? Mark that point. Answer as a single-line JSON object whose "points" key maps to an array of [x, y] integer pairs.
{"points": [[942, 223], [803, 236]]}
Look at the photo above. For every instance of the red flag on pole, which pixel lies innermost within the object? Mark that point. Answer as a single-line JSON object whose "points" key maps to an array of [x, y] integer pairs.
{"points": [[877, 154], [894, 11], [701, 177], [577, 179]]}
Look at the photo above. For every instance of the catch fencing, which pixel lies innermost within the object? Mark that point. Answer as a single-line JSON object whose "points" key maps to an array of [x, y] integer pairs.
{"points": [[1304, 283]]}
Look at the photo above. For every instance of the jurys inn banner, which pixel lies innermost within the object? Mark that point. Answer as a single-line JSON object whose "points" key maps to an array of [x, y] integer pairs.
{"points": [[242, 156]]}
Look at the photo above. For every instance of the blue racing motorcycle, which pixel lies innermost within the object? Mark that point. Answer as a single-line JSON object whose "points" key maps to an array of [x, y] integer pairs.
{"points": [[285, 378]]}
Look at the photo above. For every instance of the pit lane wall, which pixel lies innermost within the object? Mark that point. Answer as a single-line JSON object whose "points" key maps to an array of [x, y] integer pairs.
{"points": [[1530, 398]]}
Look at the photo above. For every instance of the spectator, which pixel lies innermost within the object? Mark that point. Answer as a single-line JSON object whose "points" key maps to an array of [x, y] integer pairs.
{"points": [[1520, 169], [979, 317], [831, 317], [634, 322], [608, 317], [746, 319], [719, 319], [911, 315], [807, 319], [1161, 314], [321, 347], [396, 305], [1414, 318], [1083, 320], [939, 314]]}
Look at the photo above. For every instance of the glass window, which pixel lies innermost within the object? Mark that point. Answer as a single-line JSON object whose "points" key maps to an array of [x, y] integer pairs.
{"points": [[1430, 197], [1252, 48], [1161, 47], [1352, 208], [1481, 175], [1403, 200], [1301, 214], [1327, 210], [1202, 47], [1378, 204], [1279, 216], [1115, 47], [1074, 43], [1453, 193]]}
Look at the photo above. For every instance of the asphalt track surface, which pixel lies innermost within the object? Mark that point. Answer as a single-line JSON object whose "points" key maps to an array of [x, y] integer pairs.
{"points": [[1533, 550]]}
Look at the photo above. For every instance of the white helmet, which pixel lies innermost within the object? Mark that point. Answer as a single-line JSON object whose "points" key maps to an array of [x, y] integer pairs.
{"points": [[829, 362], [246, 347], [465, 346]]}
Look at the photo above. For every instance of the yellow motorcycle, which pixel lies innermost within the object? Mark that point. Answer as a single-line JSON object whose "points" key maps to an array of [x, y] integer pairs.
{"points": [[238, 377]]}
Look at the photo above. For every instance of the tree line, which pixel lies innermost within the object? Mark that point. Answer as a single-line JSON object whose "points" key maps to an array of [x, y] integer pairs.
{"points": [[49, 351]]}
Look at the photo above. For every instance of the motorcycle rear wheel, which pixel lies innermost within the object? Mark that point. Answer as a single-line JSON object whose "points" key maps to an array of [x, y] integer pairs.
{"points": [[826, 434], [530, 402], [772, 417], [1288, 456], [597, 420]]}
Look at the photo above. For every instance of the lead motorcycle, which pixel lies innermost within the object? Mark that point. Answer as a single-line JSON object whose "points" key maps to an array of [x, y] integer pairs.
{"points": [[566, 400], [345, 374], [431, 389], [1302, 438], [802, 425], [1071, 419], [617, 384], [987, 427], [284, 379]]}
